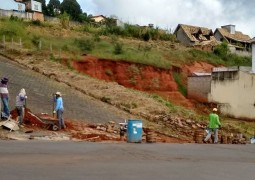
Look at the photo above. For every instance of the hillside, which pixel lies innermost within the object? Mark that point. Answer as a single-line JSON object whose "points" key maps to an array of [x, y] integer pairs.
{"points": [[51, 50]]}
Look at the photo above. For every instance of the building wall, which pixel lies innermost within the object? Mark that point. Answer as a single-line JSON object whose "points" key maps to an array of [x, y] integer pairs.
{"points": [[235, 97], [199, 87], [38, 16], [8, 13], [98, 19], [253, 57], [218, 36], [183, 38], [12, 5]]}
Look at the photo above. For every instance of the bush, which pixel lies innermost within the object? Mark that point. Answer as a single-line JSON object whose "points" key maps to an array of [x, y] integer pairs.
{"points": [[85, 44], [12, 29], [146, 36], [118, 48], [36, 22], [36, 41], [64, 20], [222, 50], [15, 18], [97, 37]]}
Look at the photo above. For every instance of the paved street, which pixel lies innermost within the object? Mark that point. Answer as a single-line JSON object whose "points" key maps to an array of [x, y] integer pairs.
{"points": [[40, 88], [44, 160]]}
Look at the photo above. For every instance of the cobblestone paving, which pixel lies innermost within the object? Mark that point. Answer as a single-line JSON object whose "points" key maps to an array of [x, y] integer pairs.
{"points": [[40, 88]]}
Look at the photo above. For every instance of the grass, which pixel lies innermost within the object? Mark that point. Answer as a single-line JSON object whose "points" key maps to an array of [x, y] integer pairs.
{"points": [[149, 53]]}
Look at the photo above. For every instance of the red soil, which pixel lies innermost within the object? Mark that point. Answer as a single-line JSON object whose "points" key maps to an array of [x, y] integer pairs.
{"points": [[133, 75]]}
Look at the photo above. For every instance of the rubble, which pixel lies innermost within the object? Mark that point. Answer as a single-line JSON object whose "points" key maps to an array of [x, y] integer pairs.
{"points": [[39, 127]]}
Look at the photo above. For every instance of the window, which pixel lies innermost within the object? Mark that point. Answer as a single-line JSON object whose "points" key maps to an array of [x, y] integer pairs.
{"points": [[225, 75], [36, 7]]}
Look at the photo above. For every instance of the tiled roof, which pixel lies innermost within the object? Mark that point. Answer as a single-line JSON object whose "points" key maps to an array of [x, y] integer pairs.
{"points": [[238, 36], [191, 30], [98, 16]]}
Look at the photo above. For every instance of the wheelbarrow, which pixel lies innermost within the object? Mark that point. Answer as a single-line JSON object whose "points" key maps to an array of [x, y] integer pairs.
{"points": [[45, 121], [51, 123]]}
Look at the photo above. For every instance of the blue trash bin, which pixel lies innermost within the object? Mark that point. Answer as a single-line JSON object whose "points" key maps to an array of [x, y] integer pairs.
{"points": [[134, 131]]}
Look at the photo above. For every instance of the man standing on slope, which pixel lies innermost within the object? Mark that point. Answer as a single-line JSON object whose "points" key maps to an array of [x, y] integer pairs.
{"points": [[4, 94], [214, 125], [59, 109]]}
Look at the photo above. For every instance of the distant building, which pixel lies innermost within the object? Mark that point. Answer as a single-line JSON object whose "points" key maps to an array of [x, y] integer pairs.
{"points": [[194, 35], [238, 42], [113, 20], [12, 5], [33, 6], [99, 18]]}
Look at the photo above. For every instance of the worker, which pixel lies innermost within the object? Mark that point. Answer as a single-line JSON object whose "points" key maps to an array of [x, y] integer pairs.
{"points": [[20, 105], [59, 109], [4, 93], [214, 125]]}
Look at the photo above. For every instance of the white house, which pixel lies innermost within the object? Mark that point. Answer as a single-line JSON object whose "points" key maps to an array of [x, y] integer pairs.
{"points": [[12, 5], [233, 89]]}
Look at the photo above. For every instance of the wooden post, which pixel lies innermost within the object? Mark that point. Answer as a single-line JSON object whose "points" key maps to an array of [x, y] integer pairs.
{"points": [[12, 44], [40, 44], [50, 48], [20, 42], [4, 41], [60, 53]]}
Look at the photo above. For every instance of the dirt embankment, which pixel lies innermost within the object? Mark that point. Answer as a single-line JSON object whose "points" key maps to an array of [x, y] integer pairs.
{"points": [[132, 75]]}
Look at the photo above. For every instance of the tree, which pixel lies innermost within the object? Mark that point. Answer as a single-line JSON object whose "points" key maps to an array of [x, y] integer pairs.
{"points": [[54, 7], [72, 8], [44, 7], [84, 18]]}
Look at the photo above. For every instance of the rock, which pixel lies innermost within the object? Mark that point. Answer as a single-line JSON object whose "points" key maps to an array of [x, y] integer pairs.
{"points": [[188, 121], [180, 123], [194, 126]]}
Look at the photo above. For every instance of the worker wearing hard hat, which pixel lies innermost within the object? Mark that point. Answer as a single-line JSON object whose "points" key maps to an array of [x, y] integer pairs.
{"points": [[59, 109], [214, 125]]}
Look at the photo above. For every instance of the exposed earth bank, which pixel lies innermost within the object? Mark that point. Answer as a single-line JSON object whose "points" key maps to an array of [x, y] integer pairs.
{"points": [[140, 77]]}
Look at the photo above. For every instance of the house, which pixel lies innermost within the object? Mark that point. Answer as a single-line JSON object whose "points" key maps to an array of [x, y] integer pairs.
{"points": [[238, 42], [26, 9], [232, 88], [12, 5], [112, 20], [35, 8], [194, 35], [99, 18]]}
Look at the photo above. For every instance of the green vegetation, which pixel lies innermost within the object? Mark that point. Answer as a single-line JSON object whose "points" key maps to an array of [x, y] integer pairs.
{"points": [[178, 79]]}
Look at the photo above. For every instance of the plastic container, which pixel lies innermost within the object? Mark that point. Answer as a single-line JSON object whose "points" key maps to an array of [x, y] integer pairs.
{"points": [[134, 131]]}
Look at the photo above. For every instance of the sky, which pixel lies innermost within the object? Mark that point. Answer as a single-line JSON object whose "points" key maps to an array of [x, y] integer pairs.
{"points": [[167, 14]]}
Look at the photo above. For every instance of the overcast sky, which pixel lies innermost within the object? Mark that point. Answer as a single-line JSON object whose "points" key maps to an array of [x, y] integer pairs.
{"points": [[168, 14]]}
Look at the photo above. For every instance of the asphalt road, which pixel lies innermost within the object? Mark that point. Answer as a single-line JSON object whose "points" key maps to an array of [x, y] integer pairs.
{"points": [[44, 160], [40, 88]]}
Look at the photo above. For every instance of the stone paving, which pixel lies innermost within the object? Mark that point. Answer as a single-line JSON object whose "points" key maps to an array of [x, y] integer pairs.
{"points": [[40, 88]]}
